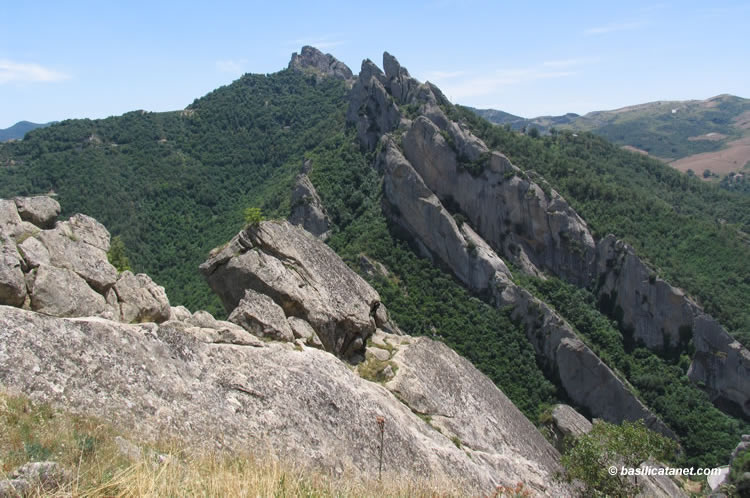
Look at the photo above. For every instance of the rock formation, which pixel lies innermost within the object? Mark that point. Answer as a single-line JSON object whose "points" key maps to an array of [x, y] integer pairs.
{"points": [[303, 276], [307, 208], [215, 384], [662, 317], [313, 61], [435, 168], [61, 268]]}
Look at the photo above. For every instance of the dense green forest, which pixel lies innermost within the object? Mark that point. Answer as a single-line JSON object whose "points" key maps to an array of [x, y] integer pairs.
{"points": [[174, 185], [693, 233]]}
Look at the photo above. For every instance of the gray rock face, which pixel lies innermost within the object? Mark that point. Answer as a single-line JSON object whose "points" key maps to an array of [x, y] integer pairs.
{"points": [[421, 213], [140, 299], [307, 208], [566, 424], [41, 210], [10, 221], [513, 214], [468, 408], [261, 316], [305, 404], [64, 270], [586, 379], [60, 292], [303, 276], [12, 283], [371, 109], [313, 61], [661, 316], [80, 246]]}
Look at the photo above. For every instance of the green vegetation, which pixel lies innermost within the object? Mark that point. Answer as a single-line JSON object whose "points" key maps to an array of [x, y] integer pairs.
{"points": [[174, 185], [592, 456], [663, 129], [693, 233], [423, 299], [117, 255], [706, 434], [253, 216]]}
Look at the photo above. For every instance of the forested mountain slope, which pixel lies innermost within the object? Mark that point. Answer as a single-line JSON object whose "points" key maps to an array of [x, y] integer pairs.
{"points": [[174, 185]]}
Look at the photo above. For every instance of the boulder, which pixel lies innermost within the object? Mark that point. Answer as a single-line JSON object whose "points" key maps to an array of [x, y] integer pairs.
{"points": [[10, 221], [34, 253], [313, 61], [564, 424], [41, 210], [179, 313], [300, 274], [261, 316], [61, 292], [12, 283], [303, 330], [307, 208], [140, 299], [81, 244]]}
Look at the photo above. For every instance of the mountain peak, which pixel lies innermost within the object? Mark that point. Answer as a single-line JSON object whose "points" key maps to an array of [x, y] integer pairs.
{"points": [[313, 61]]}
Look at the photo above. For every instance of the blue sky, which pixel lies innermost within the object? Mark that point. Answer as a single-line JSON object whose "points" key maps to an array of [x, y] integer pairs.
{"points": [[75, 59]]}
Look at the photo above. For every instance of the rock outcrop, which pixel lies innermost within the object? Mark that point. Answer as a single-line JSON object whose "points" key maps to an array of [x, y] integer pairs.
{"points": [[584, 377], [566, 424], [662, 317], [303, 276], [313, 61], [307, 208], [60, 268], [215, 384], [434, 168]]}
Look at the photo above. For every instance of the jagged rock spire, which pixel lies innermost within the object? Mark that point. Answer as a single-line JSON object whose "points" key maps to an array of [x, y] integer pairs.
{"points": [[313, 61]]}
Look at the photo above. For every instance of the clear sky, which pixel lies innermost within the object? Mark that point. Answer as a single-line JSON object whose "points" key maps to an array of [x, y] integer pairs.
{"points": [[73, 59]]}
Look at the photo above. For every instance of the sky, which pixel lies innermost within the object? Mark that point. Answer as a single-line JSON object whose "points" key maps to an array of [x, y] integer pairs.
{"points": [[81, 59]]}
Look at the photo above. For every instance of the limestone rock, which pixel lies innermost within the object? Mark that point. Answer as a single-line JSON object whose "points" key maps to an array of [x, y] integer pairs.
{"points": [[140, 299], [41, 210], [80, 245], [12, 283], [179, 313], [307, 208], [60, 292], [261, 316], [303, 276], [307, 405], [313, 61]]}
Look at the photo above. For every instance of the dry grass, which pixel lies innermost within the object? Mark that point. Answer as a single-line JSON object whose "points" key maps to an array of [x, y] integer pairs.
{"points": [[87, 447]]}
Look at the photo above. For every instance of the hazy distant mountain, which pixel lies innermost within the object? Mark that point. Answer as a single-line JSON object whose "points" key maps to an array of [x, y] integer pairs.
{"points": [[19, 130], [711, 134]]}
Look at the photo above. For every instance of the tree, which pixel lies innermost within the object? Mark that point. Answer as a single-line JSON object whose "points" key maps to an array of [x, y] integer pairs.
{"points": [[253, 216], [592, 457], [117, 256]]}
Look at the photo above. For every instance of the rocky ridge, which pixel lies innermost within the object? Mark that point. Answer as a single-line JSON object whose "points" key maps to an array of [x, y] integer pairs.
{"points": [[224, 385], [310, 60], [423, 153]]}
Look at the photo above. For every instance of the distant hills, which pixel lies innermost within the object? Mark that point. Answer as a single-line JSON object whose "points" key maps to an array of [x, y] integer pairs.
{"points": [[19, 130], [697, 135]]}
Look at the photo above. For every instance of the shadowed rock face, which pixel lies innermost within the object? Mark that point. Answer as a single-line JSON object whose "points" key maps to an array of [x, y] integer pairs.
{"points": [[662, 317], [313, 61], [303, 276]]}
